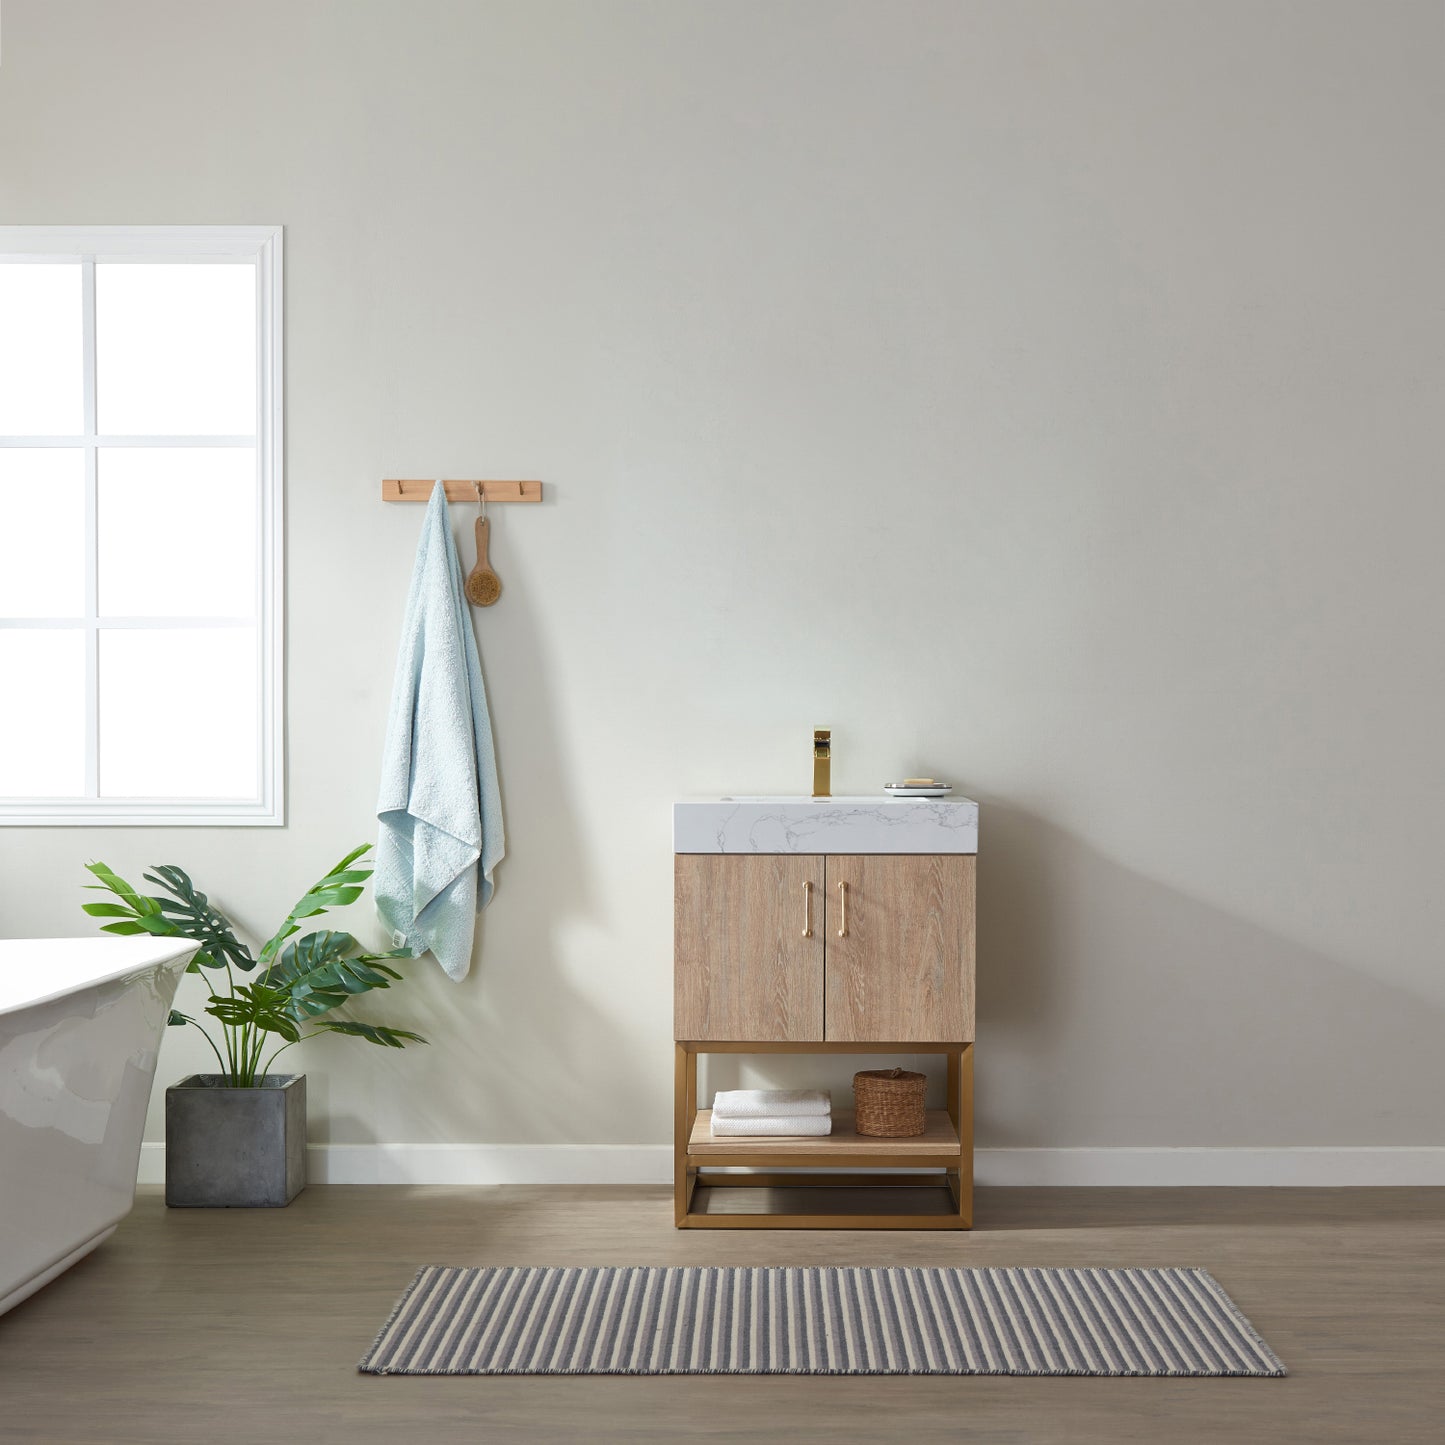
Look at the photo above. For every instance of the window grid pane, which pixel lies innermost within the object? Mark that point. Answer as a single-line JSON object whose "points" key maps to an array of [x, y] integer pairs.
{"points": [[176, 348], [42, 731], [152, 753], [41, 349], [177, 741], [42, 501], [176, 531]]}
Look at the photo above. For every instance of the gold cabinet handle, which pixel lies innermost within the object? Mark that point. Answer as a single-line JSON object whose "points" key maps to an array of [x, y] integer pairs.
{"points": [[842, 910], [807, 910]]}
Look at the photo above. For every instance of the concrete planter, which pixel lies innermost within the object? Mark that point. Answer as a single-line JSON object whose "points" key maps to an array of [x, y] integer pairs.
{"points": [[235, 1148]]}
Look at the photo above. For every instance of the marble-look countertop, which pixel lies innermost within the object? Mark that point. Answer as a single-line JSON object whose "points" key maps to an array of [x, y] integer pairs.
{"points": [[825, 825]]}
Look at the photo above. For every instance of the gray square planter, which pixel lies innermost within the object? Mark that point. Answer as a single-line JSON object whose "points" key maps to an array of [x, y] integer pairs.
{"points": [[235, 1148]]}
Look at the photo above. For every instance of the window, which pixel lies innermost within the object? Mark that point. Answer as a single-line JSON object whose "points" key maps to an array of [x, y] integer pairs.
{"points": [[140, 525]]}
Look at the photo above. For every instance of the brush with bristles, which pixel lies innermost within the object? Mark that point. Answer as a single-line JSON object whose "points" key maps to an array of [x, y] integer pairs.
{"points": [[483, 586]]}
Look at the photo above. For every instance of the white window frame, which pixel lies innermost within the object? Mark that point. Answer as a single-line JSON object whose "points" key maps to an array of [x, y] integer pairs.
{"points": [[261, 246]]}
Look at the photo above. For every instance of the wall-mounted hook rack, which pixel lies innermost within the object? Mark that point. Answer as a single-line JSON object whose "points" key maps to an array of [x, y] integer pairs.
{"points": [[396, 490]]}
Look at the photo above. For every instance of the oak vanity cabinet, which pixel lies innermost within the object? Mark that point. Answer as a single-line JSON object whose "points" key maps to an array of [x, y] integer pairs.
{"points": [[811, 949], [899, 939], [748, 947], [815, 927]]}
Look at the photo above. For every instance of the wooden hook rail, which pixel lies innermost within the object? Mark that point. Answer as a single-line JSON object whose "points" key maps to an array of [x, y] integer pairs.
{"points": [[394, 489]]}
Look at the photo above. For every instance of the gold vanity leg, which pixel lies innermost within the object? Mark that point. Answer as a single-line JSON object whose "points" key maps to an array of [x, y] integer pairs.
{"points": [[691, 1112], [960, 1067], [679, 1135], [685, 1111]]}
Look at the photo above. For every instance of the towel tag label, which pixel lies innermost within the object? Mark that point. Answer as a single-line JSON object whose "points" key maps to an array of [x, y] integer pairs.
{"points": [[398, 938]]}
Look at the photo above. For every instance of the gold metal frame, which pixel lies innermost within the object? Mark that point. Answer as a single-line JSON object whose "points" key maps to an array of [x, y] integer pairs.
{"points": [[774, 1167]]}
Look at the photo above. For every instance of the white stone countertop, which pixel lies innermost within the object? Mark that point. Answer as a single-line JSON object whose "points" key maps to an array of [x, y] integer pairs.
{"points": [[804, 824]]}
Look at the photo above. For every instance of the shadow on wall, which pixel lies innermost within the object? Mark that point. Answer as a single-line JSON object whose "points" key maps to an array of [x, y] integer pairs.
{"points": [[1117, 1010], [519, 1054], [1113, 1010]]}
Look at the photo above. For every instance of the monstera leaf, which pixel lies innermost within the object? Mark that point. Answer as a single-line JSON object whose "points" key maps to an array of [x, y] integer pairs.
{"points": [[186, 914], [372, 1033], [199, 920], [321, 970]]}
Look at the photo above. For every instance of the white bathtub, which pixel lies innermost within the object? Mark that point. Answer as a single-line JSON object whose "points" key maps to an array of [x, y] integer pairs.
{"points": [[81, 1021]]}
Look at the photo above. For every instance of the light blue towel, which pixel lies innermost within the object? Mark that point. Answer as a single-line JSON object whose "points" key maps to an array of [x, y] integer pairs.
{"points": [[440, 809]]}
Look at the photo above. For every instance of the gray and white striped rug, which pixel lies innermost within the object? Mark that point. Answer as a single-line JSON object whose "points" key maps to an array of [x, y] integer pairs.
{"points": [[711, 1321]]}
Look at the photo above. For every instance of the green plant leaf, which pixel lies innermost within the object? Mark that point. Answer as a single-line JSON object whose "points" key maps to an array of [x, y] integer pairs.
{"points": [[163, 927], [323, 969], [136, 913], [199, 920], [112, 882], [372, 1033], [342, 885], [352, 856], [139, 913], [254, 1006], [302, 980]]}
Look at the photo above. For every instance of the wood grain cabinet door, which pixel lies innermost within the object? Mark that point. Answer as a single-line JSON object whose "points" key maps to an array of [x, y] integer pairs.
{"points": [[748, 947], [900, 948]]}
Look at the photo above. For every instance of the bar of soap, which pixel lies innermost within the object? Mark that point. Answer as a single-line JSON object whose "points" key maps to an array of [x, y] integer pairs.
{"points": [[918, 783]]}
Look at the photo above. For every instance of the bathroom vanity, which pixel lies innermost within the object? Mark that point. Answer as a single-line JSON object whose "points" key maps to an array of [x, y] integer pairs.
{"points": [[825, 926]]}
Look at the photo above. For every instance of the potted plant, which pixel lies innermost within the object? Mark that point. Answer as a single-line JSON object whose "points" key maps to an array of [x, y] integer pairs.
{"points": [[238, 1137]]}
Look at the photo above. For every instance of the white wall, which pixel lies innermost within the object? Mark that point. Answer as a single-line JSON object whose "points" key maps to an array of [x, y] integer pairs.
{"points": [[1038, 393]]}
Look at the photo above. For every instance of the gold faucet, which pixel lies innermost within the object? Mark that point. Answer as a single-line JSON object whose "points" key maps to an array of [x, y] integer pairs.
{"points": [[822, 762]]}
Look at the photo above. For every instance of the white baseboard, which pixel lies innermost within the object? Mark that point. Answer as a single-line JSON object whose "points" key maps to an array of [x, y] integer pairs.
{"points": [[1307, 1166], [467, 1164], [652, 1164]]}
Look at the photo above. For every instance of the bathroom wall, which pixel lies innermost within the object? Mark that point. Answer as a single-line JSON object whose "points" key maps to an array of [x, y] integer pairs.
{"points": [[1036, 393]]}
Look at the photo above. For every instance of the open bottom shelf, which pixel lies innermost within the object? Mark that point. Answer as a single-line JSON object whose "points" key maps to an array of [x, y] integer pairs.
{"points": [[937, 1146], [843, 1180]]}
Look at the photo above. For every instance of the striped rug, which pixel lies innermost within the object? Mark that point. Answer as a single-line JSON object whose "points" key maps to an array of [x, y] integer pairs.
{"points": [[709, 1321]]}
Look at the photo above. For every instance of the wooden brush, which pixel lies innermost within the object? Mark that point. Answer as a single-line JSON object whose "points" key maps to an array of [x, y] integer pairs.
{"points": [[483, 586]]}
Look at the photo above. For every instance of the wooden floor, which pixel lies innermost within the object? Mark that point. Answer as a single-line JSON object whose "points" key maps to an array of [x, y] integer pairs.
{"points": [[217, 1326]]}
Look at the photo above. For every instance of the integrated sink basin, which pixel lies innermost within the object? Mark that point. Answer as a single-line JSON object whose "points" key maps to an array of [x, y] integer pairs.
{"points": [[797, 823], [794, 798]]}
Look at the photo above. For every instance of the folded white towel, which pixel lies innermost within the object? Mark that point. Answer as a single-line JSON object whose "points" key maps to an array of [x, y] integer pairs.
{"points": [[771, 1103], [785, 1127]]}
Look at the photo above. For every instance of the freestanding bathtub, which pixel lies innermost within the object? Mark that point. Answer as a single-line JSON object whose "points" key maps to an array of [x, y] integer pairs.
{"points": [[80, 1026]]}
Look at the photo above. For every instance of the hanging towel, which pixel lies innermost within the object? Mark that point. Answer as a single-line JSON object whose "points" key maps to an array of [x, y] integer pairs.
{"points": [[770, 1103], [439, 807], [798, 1124]]}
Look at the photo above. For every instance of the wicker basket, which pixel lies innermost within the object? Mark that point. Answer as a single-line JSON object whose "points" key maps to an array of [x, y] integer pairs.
{"points": [[889, 1103]]}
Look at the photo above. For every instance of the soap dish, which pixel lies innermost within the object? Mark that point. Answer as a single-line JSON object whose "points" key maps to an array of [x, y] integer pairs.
{"points": [[918, 788]]}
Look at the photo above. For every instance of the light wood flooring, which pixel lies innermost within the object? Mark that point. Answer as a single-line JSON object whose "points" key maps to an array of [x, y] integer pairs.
{"points": [[218, 1326]]}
